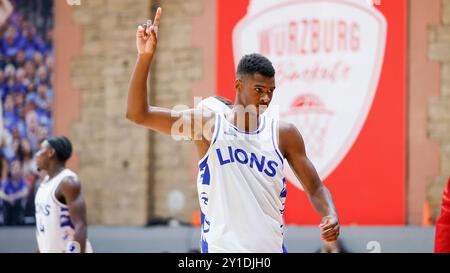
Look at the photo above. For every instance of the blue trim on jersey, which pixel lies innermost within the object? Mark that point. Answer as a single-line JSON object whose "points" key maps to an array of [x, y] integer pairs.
{"points": [[263, 125], [273, 141], [66, 222], [204, 243], [217, 129], [204, 246], [204, 198], [205, 175], [284, 190]]}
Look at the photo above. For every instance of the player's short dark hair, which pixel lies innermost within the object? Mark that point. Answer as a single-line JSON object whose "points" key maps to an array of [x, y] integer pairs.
{"points": [[225, 101], [62, 147], [255, 63]]}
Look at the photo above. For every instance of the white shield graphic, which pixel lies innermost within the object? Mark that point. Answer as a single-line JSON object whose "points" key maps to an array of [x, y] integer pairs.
{"points": [[328, 57]]}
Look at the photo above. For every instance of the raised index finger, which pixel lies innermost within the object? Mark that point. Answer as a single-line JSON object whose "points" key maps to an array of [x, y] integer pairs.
{"points": [[157, 17]]}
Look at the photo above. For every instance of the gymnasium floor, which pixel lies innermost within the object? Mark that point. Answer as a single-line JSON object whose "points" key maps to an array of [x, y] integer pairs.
{"points": [[185, 239]]}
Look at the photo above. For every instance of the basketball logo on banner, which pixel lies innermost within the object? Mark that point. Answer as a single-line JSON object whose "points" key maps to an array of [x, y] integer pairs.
{"points": [[328, 56]]}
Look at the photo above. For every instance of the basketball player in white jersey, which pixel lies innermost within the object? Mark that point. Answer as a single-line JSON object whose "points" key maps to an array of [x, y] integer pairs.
{"points": [[241, 185], [60, 208]]}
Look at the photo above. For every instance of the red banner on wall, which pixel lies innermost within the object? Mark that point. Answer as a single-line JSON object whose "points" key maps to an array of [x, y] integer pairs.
{"points": [[341, 79]]}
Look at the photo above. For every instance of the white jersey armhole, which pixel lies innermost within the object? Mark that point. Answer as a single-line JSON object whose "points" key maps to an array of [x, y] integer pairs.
{"points": [[53, 194], [215, 135], [276, 139]]}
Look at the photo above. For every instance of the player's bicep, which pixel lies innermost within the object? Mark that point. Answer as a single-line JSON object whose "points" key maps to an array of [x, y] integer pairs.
{"points": [[71, 191], [295, 154]]}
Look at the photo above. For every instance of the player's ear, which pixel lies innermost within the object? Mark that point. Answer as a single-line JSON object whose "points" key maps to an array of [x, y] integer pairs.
{"points": [[51, 152], [238, 85]]}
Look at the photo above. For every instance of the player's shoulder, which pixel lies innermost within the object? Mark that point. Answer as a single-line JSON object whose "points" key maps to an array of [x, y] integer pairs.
{"points": [[289, 136], [70, 179], [286, 128], [69, 186]]}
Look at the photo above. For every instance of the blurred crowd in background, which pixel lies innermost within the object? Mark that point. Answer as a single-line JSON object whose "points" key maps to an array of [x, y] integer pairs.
{"points": [[26, 90]]}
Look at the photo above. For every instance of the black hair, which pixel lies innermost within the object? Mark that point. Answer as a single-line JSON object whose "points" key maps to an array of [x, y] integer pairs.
{"points": [[255, 63], [62, 147], [225, 101]]}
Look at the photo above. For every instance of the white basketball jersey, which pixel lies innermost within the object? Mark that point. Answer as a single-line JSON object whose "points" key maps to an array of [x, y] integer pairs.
{"points": [[55, 230], [242, 190]]}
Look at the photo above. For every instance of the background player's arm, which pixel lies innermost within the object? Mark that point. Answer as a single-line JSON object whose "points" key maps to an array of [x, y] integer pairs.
{"points": [[293, 148], [155, 118], [5, 197], [23, 193], [70, 190]]}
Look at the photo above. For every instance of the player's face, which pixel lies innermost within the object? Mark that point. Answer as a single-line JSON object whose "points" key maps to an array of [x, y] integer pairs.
{"points": [[256, 90], [43, 155]]}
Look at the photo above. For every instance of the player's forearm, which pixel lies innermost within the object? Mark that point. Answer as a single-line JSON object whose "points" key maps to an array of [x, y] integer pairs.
{"points": [[137, 94], [80, 236], [323, 202]]}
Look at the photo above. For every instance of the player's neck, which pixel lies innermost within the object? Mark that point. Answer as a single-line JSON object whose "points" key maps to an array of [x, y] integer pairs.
{"points": [[244, 120], [55, 169]]}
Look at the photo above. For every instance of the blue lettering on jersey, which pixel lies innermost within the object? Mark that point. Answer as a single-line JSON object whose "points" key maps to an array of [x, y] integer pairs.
{"points": [[272, 168], [222, 162], [43, 209], [259, 164], [242, 157], [230, 152]]}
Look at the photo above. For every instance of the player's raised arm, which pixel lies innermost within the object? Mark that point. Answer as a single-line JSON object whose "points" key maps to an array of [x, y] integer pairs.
{"points": [[6, 10], [138, 110], [293, 148]]}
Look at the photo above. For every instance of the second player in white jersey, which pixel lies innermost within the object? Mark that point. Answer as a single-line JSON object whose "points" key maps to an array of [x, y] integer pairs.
{"points": [[61, 225], [54, 228]]}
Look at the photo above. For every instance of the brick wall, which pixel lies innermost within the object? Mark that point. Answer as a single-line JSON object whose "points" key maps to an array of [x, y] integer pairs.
{"points": [[177, 67], [439, 107], [113, 153], [129, 174]]}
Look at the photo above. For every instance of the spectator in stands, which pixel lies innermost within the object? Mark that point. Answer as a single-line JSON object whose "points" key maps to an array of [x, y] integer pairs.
{"points": [[26, 78], [14, 193], [29, 169], [9, 115]]}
